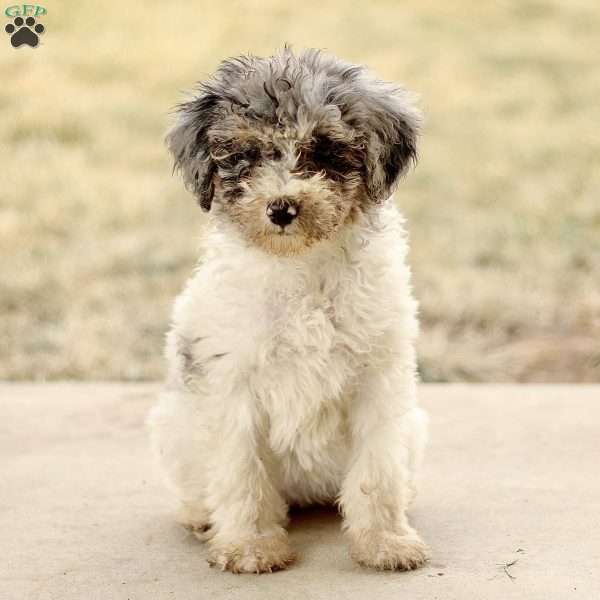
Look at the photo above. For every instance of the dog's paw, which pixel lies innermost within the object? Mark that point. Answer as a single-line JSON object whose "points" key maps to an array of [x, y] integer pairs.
{"points": [[388, 550], [259, 554], [196, 519]]}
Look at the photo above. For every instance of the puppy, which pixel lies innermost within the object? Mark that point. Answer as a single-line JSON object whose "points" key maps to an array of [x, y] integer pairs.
{"points": [[291, 353]]}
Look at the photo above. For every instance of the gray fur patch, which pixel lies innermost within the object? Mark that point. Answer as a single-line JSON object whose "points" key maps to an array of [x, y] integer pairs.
{"points": [[190, 367], [185, 351]]}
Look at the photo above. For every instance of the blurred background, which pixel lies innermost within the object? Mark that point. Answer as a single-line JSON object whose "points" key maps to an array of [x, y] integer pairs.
{"points": [[97, 236]]}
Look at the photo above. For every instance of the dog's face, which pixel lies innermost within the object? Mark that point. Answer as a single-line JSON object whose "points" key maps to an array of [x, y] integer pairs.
{"points": [[291, 148]]}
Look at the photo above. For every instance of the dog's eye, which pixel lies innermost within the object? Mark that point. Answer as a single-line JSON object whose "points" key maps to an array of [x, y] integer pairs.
{"points": [[228, 158], [252, 154], [273, 153], [335, 158]]}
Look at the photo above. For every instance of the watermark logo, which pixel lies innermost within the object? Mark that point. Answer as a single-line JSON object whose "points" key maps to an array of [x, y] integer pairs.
{"points": [[24, 29]]}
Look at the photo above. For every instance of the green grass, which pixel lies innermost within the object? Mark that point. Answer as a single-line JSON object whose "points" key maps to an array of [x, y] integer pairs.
{"points": [[97, 237]]}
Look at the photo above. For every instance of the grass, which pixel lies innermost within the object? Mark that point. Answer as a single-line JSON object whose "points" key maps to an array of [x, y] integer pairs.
{"points": [[97, 237]]}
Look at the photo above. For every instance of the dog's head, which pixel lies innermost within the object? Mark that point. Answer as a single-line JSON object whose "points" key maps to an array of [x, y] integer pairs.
{"points": [[292, 147]]}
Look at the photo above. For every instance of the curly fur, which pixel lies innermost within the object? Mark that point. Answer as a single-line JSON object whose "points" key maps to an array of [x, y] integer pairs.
{"points": [[291, 353]]}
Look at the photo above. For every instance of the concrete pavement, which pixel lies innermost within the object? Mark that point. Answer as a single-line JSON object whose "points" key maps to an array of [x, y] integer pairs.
{"points": [[510, 504]]}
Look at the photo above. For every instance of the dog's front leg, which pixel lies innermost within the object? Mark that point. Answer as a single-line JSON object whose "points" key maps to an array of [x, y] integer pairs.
{"points": [[388, 433], [248, 513]]}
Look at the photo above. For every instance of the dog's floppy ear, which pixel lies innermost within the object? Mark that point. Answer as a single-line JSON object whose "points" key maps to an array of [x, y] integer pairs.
{"points": [[394, 125], [188, 142]]}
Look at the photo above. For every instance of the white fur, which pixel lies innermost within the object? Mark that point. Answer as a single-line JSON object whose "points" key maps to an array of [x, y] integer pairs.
{"points": [[301, 390]]}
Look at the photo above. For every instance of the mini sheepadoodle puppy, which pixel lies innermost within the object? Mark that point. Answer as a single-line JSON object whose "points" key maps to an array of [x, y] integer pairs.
{"points": [[291, 355]]}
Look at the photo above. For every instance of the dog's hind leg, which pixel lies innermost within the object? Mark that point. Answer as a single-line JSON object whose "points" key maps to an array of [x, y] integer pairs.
{"points": [[178, 438], [194, 515]]}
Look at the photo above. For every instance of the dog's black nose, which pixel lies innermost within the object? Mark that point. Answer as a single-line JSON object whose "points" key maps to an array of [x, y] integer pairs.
{"points": [[282, 212]]}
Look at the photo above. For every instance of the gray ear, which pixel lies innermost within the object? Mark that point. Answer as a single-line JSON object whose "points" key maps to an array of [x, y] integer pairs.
{"points": [[188, 142], [392, 146]]}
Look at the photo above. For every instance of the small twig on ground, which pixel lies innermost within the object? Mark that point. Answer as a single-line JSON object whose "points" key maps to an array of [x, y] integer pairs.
{"points": [[507, 566]]}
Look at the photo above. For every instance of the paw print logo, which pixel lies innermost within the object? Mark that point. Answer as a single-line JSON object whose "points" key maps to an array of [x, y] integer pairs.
{"points": [[24, 32]]}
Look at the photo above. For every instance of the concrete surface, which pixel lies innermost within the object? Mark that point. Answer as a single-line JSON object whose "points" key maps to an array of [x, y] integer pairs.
{"points": [[512, 477]]}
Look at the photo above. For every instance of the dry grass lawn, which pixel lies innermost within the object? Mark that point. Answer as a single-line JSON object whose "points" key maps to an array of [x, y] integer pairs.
{"points": [[96, 236]]}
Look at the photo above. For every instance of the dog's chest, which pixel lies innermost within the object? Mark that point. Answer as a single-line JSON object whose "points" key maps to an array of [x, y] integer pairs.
{"points": [[317, 323], [308, 365], [296, 336], [314, 341]]}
